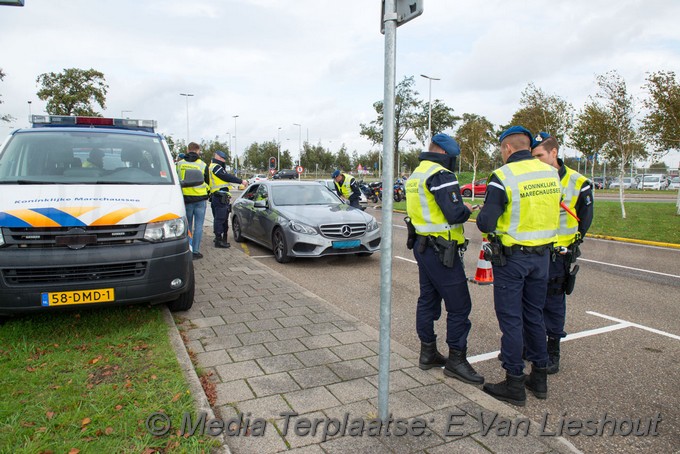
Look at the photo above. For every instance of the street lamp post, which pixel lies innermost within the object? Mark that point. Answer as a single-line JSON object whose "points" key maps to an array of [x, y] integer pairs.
{"points": [[187, 95], [235, 145], [29, 110], [278, 161], [299, 145], [429, 121]]}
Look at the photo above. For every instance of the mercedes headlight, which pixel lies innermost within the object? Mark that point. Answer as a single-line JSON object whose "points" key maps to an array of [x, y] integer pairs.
{"points": [[372, 225], [302, 228], [165, 230]]}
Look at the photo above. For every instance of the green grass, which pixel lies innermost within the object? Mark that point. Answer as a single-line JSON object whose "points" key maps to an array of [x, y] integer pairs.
{"points": [[644, 220], [88, 380]]}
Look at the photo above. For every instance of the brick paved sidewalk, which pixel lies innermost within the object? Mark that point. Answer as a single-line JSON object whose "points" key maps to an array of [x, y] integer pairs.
{"points": [[274, 347]]}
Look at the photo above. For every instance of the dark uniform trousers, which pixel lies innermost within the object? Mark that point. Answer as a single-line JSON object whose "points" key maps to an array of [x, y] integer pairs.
{"points": [[438, 282], [220, 210], [556, 301], [519, 290], [354, 201]]}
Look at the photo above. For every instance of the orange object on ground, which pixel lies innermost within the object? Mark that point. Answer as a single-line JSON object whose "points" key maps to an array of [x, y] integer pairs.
{"points": [[484, 274]]}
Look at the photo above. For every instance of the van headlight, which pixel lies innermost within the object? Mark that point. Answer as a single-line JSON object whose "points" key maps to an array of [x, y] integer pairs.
{"points": [[372, 225], [2, 238], [165, 230], [302, 228]]}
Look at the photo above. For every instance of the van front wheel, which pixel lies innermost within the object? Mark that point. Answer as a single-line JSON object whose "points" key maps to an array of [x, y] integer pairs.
{"points": [[186, 299]]}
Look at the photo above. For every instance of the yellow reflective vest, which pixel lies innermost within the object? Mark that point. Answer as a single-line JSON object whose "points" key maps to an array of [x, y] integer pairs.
{"points": [[195, 191], [426, 216], [216, 183], [531, 217], [345, 189], [572, 182]]}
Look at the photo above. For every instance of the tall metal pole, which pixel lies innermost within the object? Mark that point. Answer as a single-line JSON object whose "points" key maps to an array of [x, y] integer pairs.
{"points": [[299, 145], [278, 161], [29, 110], [429, 122], [390, 22], [187, 95], [235, 146]]}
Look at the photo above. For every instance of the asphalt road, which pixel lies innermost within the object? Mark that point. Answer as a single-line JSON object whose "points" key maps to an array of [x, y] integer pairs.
{"points": [[627, 369]]}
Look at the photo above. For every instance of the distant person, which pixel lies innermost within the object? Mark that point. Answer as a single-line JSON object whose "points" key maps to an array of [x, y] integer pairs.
{"points": [[577, 195], [220, 197], [194, 197], [95, 159], [347, 188]]}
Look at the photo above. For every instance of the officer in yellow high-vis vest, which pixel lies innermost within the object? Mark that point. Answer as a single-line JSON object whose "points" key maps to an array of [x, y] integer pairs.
{"points": [[521, 212], [577, 195], [347, 187], [219, 179], [194, 197], [437, 214]]}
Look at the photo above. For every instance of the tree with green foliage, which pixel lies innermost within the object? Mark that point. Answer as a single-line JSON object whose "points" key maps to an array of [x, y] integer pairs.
{"points": [[257, 155], [540, 111], [73, 92], [6, 118], [342, 160], [475, 137], [443, 119]]}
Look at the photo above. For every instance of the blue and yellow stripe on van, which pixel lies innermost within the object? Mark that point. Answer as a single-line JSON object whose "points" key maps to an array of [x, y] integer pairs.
{"points": [[68, 217]]}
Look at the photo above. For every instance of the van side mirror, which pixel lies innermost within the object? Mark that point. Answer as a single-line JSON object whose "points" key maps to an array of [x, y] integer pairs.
{"points": [[192, 177]]}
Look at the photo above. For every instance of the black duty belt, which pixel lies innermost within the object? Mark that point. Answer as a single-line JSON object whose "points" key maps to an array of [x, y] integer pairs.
{"points": [[509, 250]]}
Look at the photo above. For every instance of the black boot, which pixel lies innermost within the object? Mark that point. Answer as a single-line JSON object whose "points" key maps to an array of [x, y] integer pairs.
{"points": [[511, 390], [458, 367], [430, 356], [221, 241], [554, 354], [537, 382]]}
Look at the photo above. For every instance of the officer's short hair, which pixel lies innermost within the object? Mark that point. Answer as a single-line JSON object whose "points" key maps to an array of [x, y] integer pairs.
{"points": [[518, 141], [193, 146], [549, 144]]}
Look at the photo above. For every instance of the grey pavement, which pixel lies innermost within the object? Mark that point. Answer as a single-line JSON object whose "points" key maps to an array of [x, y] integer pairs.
{"points": [[303, 375]]}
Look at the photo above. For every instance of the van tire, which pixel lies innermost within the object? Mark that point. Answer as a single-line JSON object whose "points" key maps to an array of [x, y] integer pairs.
{"points": [[186, 299]]}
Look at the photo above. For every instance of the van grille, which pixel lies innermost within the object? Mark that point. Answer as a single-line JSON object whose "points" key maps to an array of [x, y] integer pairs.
{"points": [[72, 237], [86, 274], [343, 231]]}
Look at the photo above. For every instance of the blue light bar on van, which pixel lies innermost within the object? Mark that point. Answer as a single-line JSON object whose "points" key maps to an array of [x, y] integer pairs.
{"points": [[93, 122]]}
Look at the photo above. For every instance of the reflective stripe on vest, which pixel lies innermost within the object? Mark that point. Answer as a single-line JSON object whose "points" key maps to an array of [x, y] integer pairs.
{"points": [[345, 189], [572, 183], [216, 183], [426, 216], [195, 191], [531, 217]]}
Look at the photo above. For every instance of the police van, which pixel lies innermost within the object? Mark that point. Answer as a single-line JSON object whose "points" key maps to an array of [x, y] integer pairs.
{"points": [[91, 213]]}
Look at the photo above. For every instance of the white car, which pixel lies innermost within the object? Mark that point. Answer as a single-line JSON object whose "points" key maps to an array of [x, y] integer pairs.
{"points": [[628, 183], [656, 182], [257, 178], [675, 183]]}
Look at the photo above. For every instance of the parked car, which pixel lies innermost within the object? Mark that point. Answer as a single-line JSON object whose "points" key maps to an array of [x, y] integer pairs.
{"points": [[330, 184], [598, 182], [656, 182], [257, 178], [302, 219], [285, 174], [675, 183], [480, 188], [628, 183]]}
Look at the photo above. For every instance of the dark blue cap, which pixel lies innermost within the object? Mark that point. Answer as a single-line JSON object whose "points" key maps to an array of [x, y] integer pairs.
{"points": [[516, 130], [446, 143], [538, 140], [336, 173], [221, 154]]}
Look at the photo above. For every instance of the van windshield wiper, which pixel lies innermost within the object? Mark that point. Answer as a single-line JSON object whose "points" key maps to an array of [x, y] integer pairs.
{"points": [[27, 182]]}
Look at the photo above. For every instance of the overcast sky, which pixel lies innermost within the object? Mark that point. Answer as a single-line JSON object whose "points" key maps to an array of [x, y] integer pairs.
{"points": [[320, 63]]}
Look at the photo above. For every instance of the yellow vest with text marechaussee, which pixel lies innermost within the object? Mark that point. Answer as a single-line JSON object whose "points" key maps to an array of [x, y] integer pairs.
{"points": [[216, 183], [194, 191], [572, 183], [532, 215], [426, 216], [345, 189]]}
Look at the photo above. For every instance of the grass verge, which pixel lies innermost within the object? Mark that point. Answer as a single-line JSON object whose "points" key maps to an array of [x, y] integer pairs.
{"points": [[87, 381], [644, 220]]}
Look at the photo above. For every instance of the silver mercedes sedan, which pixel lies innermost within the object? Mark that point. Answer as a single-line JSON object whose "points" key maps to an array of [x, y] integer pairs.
{"points": [[302, 219]]}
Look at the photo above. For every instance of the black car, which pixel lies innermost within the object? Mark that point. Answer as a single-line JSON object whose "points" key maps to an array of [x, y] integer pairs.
{"points": [[284, 174]]}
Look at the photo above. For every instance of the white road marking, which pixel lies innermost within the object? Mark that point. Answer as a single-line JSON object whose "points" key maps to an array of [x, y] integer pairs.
{"points": [[646, 328], [628, 267], [261, 256]]}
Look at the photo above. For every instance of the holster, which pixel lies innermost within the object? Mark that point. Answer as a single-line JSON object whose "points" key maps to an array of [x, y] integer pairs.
{"points": [[446, 250], [493, 251], [575, 251], [571, 280], [411, 238]]}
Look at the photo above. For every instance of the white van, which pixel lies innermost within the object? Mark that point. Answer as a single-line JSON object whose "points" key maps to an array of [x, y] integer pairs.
{"points": [[91, 213]]}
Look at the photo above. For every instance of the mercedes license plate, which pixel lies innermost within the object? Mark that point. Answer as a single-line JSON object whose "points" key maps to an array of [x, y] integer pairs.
{"points": [[347, 244]]}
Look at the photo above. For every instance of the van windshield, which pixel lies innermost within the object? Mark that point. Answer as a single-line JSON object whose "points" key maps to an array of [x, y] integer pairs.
{"points": [[89, 156]]}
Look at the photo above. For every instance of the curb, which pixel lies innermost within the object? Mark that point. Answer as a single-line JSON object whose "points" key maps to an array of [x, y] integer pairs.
{"points": [[200, 399]]}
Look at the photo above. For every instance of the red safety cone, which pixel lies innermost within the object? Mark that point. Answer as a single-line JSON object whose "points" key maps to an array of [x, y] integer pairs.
{"points": [[484, 274]]}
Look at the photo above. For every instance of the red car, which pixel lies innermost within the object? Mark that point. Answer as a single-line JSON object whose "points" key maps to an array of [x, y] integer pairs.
{"points": [[480, 188]]}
